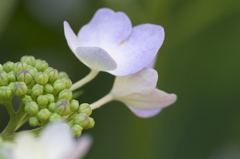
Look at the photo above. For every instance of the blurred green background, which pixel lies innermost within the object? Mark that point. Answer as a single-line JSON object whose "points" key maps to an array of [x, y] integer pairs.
{"points": [[199, 61]]}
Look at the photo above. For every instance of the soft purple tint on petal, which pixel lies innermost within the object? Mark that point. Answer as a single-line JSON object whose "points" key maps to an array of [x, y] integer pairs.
{"points": [[145, 113], [72, 39], [152, 63], [142, 82], [154, 100], [106, 29], [138, 50], [96, 58]]}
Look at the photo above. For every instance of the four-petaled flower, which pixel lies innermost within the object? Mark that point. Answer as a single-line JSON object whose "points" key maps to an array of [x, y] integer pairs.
{"points": [[109, 43]]}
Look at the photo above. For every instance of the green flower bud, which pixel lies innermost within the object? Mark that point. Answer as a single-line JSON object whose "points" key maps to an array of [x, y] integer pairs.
{"points": [[41, 65], [41, 78], [31, 108], [54, 117], [62, 75], [19, 66], [50, 98], [74, 105], [52, 73], [43, 115], [58, 86], [67, 82], [72, 116], [1, 67], [37, 90], [3, 78], [42, 101], [6, 93], [52, 107], [33, 71], [11, 76], [30, 60], [33, 121], [91, 123], [63, 107], [26, 99], [85, 108], [77, 130], [20, 89], [25, 76], [65, 94], [8, 66], [48, 88], [82, 120]]}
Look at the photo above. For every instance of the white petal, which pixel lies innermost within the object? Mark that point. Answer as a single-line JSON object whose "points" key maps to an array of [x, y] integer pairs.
{"points": [[145, 113], [27, 147], [96, 58], [81, 148], [138, 50], [57, 140], [154, 100], [106, 29], [143, 81], [72, 39]]}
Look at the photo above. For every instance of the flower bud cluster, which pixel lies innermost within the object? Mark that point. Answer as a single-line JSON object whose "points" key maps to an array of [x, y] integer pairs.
{"points": [[44, 92]]}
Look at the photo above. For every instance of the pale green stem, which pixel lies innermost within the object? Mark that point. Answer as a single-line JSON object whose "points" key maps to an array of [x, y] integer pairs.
{"points": [[102, 101], [88, 78]]}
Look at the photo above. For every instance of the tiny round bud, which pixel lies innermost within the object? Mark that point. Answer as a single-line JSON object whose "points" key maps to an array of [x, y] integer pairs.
{"points": [[58, 86], [42, 101], [11, 76], [43, 115], [31, 108], [48, 88], [1, 67], [67, 82], [50, 98], [41, 78], [33, 121], [52, 107], [74, 105], [54, 117], [30, 60], [82, 120], [3, 78], [19, 66], [37, 90], [85, 108], [65, 94], [63, 107], [52, 73], [20, 89], [6, 93], [25, 76], [91, 123], [8, 66], [77, 130], [62, 75], [72, 116], [26, 99], [41, 65], [33, 71]]}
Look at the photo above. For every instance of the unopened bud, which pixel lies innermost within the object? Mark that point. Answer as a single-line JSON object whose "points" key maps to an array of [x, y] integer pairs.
{"points": [[82, 120], [50, 98], [8, 66], [19, 66], [52, 107], [48, 88], [31, 108], [91, 123], [52, 73], [25, 76], [74, 105], [11, 76], [33, 71], [62, 75], [72, 116], [26, 99], [65, 94], [43, 115], [6, 93], [85, 108], [42, 101], [3, 78], [63, 107], [67, 82], [54, 117], [77, 130], [30, 60], [33, 121], [58, 86], [37, 90], [41, 78], [41, 65], [20, 89]]}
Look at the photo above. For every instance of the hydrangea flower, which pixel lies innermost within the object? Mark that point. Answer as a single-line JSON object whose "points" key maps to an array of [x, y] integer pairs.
{"points": [[109, 43], [55, 142]]}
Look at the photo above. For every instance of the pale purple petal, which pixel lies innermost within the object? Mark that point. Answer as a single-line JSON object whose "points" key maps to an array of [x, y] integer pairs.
{"points": [[154, 100], [106, 29], [96, 58], [72, 39], [138, 50], [142, 82], [152, 63], [145, 113]]}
